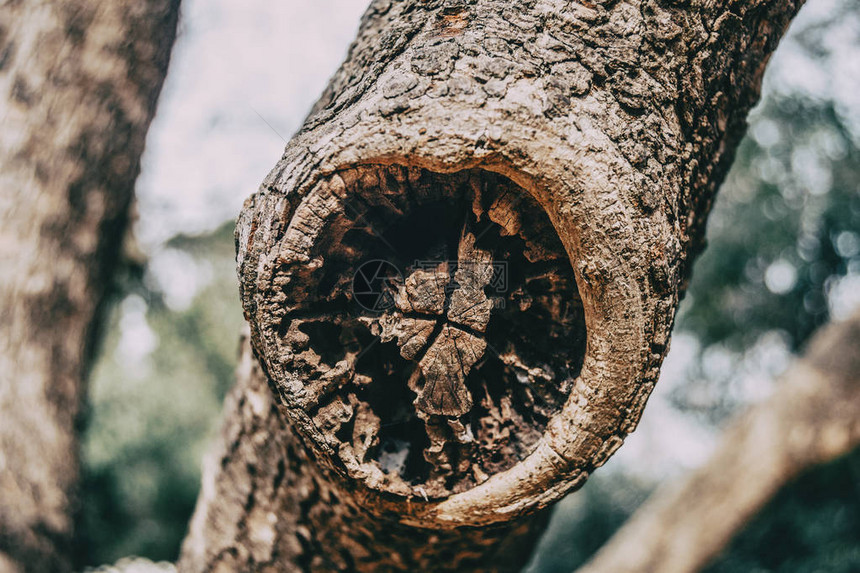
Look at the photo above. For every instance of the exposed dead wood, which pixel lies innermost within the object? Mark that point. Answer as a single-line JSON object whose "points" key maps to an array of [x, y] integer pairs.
{"points": [[266, 507], [454, 396]]}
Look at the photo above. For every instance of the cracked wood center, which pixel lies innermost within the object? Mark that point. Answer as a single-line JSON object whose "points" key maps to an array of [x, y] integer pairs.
{"points": [[453, 292], [466, 345]]}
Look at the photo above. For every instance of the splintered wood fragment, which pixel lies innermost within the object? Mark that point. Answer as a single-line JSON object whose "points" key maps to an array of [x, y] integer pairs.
{"points": [[445, 367], [506, 211], [424, 290], [503, 212], [365, 431], [412, 334], [469, 304]]}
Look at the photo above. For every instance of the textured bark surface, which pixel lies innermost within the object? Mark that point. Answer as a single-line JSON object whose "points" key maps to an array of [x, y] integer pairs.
{"points": [[79, 82], [577, 144], [813, 418]]}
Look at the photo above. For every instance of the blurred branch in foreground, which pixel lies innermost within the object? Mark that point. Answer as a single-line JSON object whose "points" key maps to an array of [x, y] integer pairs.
{"points": [[814, 417]]}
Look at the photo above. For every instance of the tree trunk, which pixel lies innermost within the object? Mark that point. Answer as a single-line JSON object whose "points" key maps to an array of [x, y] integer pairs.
{"points": [[813, 418], [462, 275], [81, 81]]}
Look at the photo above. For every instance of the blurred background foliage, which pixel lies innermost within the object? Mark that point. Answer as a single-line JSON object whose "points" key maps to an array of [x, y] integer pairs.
{"points": [[783, 259], [155, 401]]}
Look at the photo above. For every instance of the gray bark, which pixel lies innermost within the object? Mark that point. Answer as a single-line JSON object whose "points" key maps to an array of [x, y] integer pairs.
{"points": [[581, 145], [813, 418], [80, 81]]}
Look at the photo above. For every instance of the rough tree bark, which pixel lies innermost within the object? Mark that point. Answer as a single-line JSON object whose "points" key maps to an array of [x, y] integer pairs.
{"points": [[814, 417], [80, 81], [574, 147]]}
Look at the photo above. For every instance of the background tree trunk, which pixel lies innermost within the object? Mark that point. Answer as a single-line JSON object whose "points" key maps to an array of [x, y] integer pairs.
{"points": [[578, 146], [81, 80], [814, 417]]}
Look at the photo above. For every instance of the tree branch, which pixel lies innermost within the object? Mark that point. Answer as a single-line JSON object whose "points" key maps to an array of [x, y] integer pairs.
{"points": [[577, 145], [814, 417]]}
